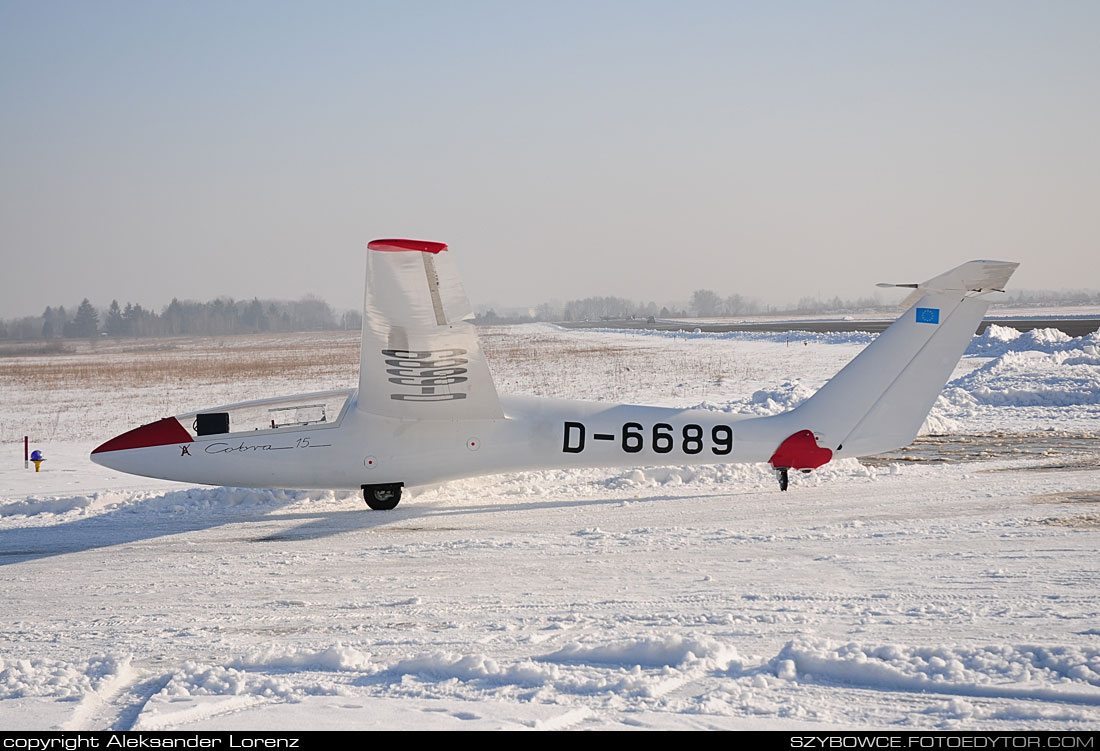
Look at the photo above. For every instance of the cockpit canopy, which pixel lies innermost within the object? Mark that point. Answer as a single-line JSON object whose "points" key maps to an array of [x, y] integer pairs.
{"points": [[311, 411]]}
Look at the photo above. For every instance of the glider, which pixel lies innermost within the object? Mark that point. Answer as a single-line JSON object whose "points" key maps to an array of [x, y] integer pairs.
{"points": [[426, 409]]}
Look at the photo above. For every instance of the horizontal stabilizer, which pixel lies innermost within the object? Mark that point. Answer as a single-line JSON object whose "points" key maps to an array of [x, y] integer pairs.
{"points": [[974, 278]]}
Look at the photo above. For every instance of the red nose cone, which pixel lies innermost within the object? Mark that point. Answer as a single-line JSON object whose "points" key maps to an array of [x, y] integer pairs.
{"points": [[159, 433]]}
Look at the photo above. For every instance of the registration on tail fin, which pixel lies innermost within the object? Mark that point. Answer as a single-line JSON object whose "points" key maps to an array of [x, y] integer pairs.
{"points": [[420, 356], [880, 399]]}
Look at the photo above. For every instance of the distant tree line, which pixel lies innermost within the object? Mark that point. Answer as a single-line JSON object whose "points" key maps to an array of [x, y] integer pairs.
{"points": [[707, 303], [588, 309], [228, 316], [1034, 298], [704, 303], [181, 318]]}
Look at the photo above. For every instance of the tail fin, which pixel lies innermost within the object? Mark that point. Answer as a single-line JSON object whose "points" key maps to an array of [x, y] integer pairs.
{"points": [[880, 399]]}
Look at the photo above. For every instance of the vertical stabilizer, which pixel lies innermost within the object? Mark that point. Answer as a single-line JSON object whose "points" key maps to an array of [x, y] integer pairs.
{"points": [[880, 399], [420, 357]]}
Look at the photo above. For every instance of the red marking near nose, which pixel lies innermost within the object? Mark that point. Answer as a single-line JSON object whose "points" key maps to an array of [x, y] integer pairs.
{"points": [[159, 433]]}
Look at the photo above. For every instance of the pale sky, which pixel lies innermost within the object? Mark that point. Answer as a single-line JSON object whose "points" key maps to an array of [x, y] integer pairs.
{"points": [[151, 149]]}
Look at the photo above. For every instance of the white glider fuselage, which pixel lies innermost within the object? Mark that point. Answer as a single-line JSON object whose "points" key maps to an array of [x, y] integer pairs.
{"points": [[427, 411], [535, 433]]}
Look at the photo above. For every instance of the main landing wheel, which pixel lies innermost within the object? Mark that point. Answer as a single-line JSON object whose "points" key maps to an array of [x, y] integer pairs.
{"points": [[781, 475], [382, 497]]}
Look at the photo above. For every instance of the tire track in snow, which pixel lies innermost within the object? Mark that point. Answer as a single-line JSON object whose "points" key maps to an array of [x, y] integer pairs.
{"points": [[97, 706], [127, 706], [222, 706], [564, 721], [117, 704]]}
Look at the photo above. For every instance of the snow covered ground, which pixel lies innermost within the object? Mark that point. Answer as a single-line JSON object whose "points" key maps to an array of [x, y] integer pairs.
{"points": [[903, 592]]}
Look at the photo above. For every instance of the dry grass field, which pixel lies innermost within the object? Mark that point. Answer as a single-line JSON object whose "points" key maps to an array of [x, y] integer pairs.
{"points": [[57, 390], [142, 362]]}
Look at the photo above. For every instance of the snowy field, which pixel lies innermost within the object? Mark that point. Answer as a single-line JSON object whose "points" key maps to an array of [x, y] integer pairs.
{"points": [[904, 592]]}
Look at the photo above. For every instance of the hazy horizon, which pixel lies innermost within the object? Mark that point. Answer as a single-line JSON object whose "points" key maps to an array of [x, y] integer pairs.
{"points": [[880, 299], [637, 150]]}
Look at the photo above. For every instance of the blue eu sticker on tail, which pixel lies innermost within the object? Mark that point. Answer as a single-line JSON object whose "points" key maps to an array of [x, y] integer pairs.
{"points": [[928, 315]]}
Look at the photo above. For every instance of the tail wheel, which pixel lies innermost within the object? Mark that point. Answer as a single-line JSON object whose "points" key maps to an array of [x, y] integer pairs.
{"points": [[382, 497]]}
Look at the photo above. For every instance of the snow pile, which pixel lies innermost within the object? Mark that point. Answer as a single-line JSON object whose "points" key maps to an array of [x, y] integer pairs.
{"points": [[1068, 378], [199, 500], [670, 651], [337, 658], [578, 680], [545, 484], [45, 677], [998, 340], [446, 666], [634, 667], [60, 505], [1042, 368], [1041, 672], [1041, 375], [195, 679], [747, 476], [772, 401]]}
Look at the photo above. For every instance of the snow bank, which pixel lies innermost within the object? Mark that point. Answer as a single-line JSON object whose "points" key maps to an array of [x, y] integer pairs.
{"points": [[207, 499], [543, 484], [44, 677], [486, 673], [1033, 379], [59, 505], [1042, 377], [1043, 368], [772, 401], [998, 340], [338, 657], [189, 500], [748, 476], [1028, 672], [643, 668], [445, 666], [638, 667], [195, 679], [670, 651]]}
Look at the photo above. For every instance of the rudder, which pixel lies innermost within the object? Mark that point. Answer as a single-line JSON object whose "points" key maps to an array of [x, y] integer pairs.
{"points": [[879, 401]]}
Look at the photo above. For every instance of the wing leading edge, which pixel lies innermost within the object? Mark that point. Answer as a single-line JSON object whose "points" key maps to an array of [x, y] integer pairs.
{"points": [[420, 357]]}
